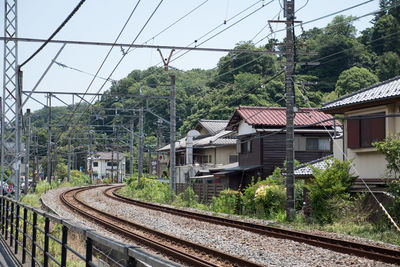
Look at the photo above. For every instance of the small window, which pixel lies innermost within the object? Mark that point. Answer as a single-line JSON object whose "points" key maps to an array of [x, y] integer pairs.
{"points": [[95, 164], [245, 146], [318, 144]]}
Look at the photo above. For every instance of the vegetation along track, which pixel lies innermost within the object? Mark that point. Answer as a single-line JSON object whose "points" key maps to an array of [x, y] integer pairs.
{"points": [[348, 247], [184, 251]]}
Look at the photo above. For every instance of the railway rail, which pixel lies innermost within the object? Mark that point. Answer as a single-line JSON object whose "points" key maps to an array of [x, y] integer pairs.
{"points": [[182, 250], [343, 246]]}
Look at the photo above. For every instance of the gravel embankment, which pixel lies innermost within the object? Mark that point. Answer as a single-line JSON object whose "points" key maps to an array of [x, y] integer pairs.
{"points": [[264, 250]]}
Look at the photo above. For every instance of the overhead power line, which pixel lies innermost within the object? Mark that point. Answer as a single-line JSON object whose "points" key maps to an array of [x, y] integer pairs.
{"points": [[132, 45], [55, 32]]}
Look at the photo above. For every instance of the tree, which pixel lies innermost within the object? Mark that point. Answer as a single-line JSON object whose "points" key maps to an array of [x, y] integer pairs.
{"points": [[354, 79], [390, 147], [388, 66], [386, 35]]}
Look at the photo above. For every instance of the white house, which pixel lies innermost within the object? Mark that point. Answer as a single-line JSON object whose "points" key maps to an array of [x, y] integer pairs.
{"points": [[109, 165]]}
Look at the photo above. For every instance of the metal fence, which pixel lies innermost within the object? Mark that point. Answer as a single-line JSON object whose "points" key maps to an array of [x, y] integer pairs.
{"points": [[45, 240]]}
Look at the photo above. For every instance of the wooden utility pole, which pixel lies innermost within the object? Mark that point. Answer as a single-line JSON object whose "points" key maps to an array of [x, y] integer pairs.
{"points": [[69, 159], [289, 84], [159, 122], [172, 158], [141, 143], [27, 149], [49, 146], [132, 141]]}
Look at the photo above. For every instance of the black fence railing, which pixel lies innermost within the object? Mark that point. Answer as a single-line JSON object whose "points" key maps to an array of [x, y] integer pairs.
{"points": [[45, 240]]}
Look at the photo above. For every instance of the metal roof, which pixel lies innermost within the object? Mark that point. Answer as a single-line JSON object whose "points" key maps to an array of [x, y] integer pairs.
{"points": [[212, 126], [276, 116], [381, 91], [305, 170], [108, 155], [220, 139]]}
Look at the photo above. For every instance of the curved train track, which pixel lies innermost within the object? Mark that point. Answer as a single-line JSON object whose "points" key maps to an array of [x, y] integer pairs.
{"points": [[343, 246], [184, 251]]}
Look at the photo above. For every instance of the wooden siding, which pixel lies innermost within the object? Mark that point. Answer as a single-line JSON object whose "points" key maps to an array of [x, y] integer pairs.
{"points": [[274, 152], [205, 192], [251, 158]]}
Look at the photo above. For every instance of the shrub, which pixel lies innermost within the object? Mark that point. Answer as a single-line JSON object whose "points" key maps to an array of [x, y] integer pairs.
{"points": [[150, 190], [78, 178], [188, 198], [225, 203], [327, 188]]}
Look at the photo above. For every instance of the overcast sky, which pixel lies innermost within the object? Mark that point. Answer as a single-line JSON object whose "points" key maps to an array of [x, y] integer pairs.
{"points": [[102, 20]]}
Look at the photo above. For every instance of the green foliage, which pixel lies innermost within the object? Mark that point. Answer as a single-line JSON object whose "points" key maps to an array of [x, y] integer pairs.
{"points": [[264, 198], [386, 35], [327, 188], [78, 178], [188, 198], [388, 66], [354, 79], [391, 149], [225, 203], [149, 190]]}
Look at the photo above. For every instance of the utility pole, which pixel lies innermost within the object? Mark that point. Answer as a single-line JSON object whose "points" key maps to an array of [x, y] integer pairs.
{"points": [[90, 167], [172, 170], [49, 139], [118, 169], [69, 159], [141, 143], [132, 141], [36, 162], [159, 122], [289, 82], [112, 163], [27, 148]]}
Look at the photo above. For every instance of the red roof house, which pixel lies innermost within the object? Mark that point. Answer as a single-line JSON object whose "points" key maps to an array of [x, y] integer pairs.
{"points": [[262, 138]]}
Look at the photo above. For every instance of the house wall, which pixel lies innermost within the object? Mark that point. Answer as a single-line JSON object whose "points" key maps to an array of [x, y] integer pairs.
{"points": [[254, 157], [368, 163], [223, 154], [104, 171]]}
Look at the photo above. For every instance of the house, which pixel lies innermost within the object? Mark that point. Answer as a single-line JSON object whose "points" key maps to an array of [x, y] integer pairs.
{"points": [[109, 165], [262, 139], [371, 114], [209, 145]]}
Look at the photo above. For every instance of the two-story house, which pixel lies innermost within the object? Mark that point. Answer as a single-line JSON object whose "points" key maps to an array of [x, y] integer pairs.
{"points": [[108, 165], [211, 146], [262, 139], [370, 115]]}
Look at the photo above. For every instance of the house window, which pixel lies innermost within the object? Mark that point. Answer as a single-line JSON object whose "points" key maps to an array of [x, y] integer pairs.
{"points": [[363, 132], [95, 164], [245, 146], [318, 144], [109, 164], [233, 158]]}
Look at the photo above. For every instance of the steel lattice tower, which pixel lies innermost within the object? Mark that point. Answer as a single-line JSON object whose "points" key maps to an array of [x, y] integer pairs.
{"points": [[11, 119]]}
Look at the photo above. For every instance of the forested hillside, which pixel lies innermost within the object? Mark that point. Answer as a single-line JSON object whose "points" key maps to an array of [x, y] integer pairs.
{"points": [[348, 60]]}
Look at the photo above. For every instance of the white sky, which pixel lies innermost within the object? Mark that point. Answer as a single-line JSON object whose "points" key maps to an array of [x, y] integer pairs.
{"points": [[101, 20]]}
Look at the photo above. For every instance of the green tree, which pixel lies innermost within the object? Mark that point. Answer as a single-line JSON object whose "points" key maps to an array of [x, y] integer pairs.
{"points": [[388, 66], [354, 79], [386, 35], [329, 186], [390, 147]]}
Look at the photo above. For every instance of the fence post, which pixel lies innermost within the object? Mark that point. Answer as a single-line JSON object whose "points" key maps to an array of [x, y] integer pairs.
{"points": [[34, 224], [11, 223], [6, 218], [16, 227], [89, 251], [24, 236], [64, 246], [46, 241]]}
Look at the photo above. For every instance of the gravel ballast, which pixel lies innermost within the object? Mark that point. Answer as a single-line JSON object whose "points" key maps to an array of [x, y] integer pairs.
{"points": [[263, 250]]}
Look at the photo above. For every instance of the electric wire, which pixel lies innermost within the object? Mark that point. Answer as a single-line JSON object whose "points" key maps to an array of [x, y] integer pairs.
{"points": [[54, 33]]}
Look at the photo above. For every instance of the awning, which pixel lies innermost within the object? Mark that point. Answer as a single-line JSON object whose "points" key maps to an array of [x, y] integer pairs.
{"points": [[202, 177], [238, 169]]}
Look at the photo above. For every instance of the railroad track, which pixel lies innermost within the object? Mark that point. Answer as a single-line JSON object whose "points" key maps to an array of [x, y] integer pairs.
{"points": [[348, 247], [182, 250]]}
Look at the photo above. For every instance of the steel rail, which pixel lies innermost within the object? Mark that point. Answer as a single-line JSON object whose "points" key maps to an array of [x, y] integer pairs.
{"points": [[342, 246], [167, 249]]}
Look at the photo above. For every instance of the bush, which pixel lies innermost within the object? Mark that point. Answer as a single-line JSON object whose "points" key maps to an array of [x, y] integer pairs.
{"points": [[78, 178], [149, 190], [225, 203], [264, 198], [188, 198], [328, 188]]}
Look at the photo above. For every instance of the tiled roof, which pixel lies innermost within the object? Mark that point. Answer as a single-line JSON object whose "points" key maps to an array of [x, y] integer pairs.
{"points": [[304, 170], [108, 155], [381, 91], [276, 116], [213, 126], [219, 139]]}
